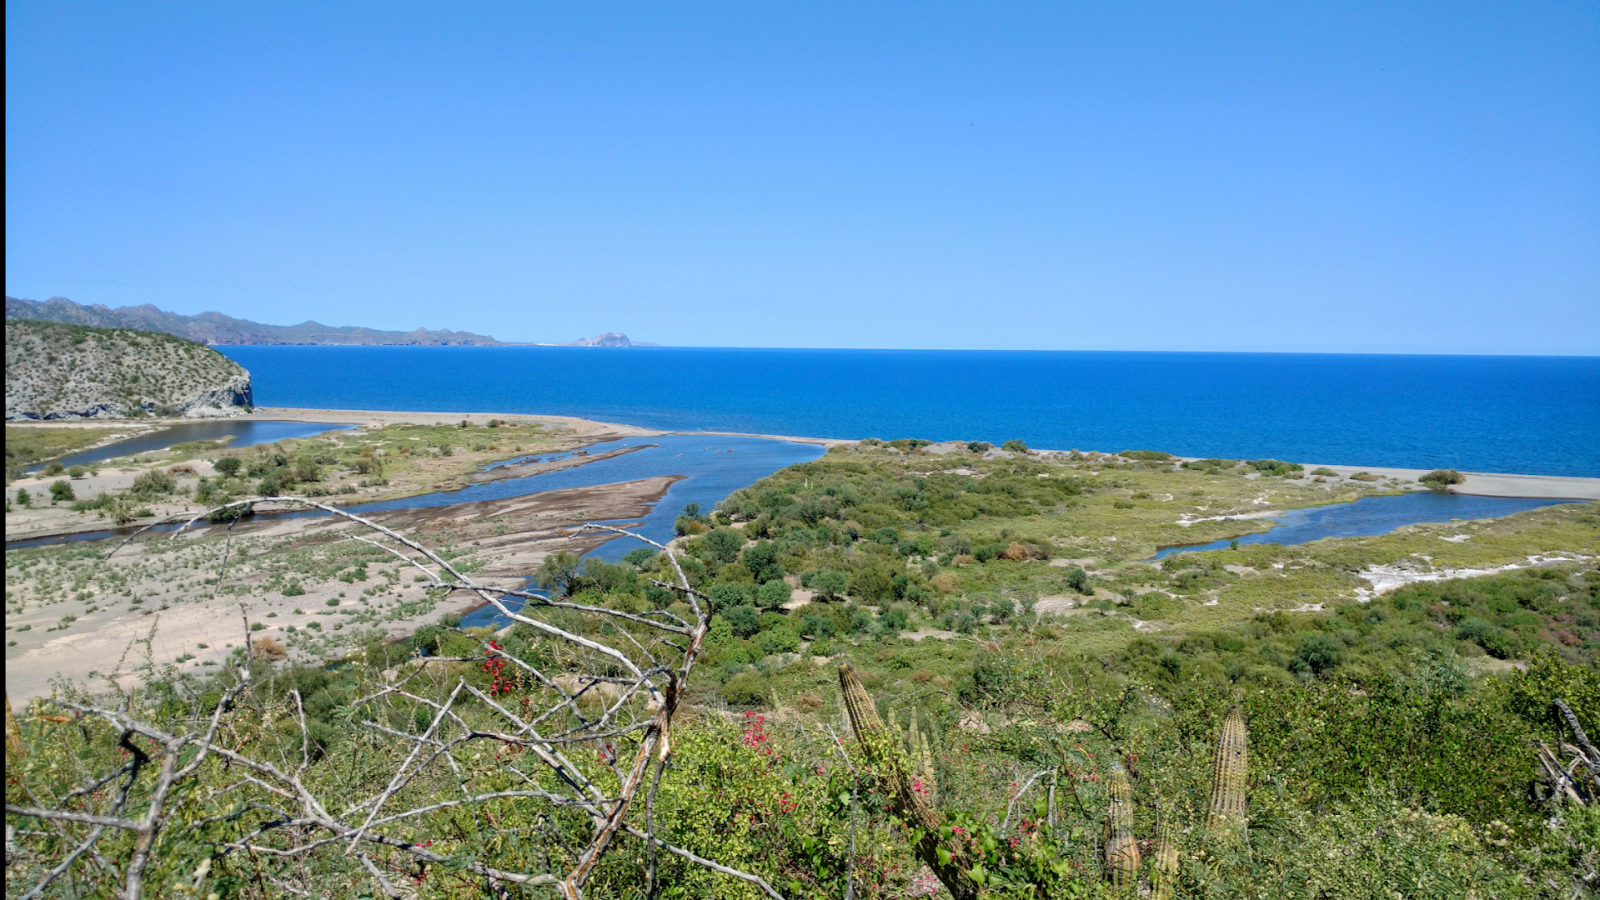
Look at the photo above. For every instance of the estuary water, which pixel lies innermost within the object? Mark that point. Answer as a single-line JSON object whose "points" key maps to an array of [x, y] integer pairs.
{"points": [[244, 433], [1372, 516], [1528, 415]]}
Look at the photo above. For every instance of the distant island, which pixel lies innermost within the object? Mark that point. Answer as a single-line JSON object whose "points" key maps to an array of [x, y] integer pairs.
{"points": [[219, 329], [609, 339]]}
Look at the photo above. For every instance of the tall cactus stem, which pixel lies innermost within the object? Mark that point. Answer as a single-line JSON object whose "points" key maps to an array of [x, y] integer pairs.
{"points": [[887, 758], [1122, 847], [1226, 819], [1164, 875]]}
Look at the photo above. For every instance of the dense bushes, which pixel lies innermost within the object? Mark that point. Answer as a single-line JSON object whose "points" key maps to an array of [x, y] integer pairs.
{"points": [[1277, 467], [1439, 479]]}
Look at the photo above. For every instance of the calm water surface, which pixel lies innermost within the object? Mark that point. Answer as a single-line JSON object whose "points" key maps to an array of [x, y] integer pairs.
{"points": [[1531, 415], [245, 433], [1372, 516]]}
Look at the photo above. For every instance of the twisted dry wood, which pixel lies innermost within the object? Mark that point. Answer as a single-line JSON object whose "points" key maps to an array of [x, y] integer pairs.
{"points": [[302, 821]]}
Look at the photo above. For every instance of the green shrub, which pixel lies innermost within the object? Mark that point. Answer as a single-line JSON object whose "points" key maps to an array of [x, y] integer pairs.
{"points": [[53, 469], [1276, 467], [1078, 580], [779, 640], [154, 482], [639, 557], [1153, 455], [1318, 653], [762, 561], [727, 596], [61, 491], [1014, 447], [77, 472], [722, 545], [773, 594], [744, 620], [1498, 642], [828, 584], [1439, 479], [745, 689]]}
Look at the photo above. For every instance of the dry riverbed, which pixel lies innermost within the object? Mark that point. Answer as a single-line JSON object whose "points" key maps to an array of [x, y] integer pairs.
{"points": [[74, 614]]}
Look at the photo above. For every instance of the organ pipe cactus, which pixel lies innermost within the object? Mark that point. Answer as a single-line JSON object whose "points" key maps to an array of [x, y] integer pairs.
{"points": [[920, 746], [1226, 819], [949, 861], [1164, 877], [1122, 847]]}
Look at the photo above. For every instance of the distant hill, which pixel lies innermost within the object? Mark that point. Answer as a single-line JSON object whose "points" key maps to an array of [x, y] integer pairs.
{"points": [[60, 371], [216, 328]]}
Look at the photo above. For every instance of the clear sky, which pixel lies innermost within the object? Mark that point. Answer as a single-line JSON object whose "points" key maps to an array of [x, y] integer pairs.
{"points": [[1380, 177]]}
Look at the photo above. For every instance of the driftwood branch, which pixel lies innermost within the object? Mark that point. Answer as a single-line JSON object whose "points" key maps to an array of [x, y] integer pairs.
{"points": [[612, 693]]}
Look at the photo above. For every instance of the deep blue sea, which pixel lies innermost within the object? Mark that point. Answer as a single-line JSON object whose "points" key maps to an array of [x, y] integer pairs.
{"points": [[1532, 415]]}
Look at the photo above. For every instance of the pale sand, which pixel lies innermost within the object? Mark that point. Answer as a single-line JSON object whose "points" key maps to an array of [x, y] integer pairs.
{"points": [[509, 537], [583, 427], [1487, 484]]}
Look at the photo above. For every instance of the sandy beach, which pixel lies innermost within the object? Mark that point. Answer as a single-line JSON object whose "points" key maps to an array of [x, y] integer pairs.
{"points": [[1486, 484]]}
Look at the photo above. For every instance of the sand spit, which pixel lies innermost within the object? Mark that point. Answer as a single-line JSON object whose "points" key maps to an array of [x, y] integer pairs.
{"points": [[584, 428], [1487, 484]]}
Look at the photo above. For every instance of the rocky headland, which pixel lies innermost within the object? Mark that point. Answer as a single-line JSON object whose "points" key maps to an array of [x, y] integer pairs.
{"points": [[56, 371]]}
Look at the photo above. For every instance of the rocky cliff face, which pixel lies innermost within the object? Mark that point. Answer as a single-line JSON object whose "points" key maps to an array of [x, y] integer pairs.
{"points": [[56, 371]]}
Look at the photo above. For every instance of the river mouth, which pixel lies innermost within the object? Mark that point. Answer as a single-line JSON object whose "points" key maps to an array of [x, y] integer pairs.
{"points": [[1371, 516], [711, 466]]}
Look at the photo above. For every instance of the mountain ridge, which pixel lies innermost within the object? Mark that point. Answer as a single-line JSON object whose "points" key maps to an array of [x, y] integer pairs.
{"points": [[217, 328]]}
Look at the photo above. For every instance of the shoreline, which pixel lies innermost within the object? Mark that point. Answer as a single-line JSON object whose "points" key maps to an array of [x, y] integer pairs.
{"points": [[1480, 484]]}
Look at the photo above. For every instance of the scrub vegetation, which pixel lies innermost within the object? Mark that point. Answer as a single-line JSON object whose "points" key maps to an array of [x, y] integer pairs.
{"points": [[922, 674], [26, 446]]}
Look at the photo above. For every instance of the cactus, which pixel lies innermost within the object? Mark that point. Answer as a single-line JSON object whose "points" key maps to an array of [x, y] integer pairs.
{"points": [[920, 746], [1230, 776], [1122, 847], [887, 759], [1164, 876]]}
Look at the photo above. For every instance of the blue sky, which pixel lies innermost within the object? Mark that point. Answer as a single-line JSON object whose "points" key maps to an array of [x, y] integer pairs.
{"points": [[1416, 177]]}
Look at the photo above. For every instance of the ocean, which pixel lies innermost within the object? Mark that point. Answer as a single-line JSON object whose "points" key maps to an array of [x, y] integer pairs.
{"points": [[1529, 415]]}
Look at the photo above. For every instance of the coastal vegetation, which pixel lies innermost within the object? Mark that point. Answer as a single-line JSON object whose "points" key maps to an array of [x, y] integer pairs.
{"points": [[26, 446], [1440, 479], [1034, 706]]}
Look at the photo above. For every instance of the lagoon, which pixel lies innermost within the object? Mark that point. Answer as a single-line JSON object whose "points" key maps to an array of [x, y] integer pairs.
{"points": [[1371, 516]]}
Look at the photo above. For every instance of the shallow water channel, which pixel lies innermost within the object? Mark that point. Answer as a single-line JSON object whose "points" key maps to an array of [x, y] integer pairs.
{"points": [[245, 433], [1373, 516]]}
